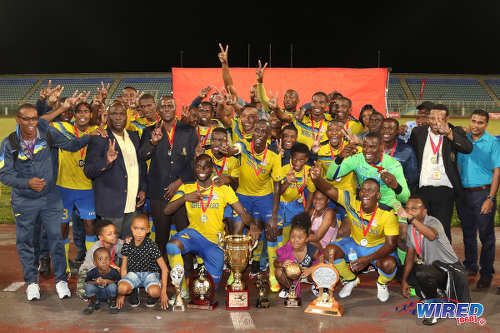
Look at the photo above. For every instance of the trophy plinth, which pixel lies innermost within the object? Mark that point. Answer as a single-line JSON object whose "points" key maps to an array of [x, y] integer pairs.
{"points": [[176, 274], [238, 250], [292, 272], [325, 276], [202, 291]]}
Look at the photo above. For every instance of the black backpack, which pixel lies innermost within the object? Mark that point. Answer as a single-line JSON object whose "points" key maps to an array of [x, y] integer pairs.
{"points": [[14, 143]]}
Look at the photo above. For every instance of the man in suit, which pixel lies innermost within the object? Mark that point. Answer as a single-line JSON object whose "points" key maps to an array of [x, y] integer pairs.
{"points": [[118, 175], [170, 145], [436, 146]]}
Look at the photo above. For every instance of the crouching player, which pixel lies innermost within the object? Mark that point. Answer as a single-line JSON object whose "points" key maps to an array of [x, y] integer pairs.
{"points": [[205, 205], [374, 234]]}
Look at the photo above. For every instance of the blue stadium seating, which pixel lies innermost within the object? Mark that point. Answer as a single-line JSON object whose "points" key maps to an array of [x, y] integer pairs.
{"points": [[494, 85], [13, 90], [159, 86], [71, 84], [447, 89], [395, 91]]}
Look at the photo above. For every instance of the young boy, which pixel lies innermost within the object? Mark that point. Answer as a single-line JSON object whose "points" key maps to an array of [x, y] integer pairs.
{"points": [[141, 265], [288, 139], [100, 283], [205, 205], [107, 238], [296, 189], [205, 124]]}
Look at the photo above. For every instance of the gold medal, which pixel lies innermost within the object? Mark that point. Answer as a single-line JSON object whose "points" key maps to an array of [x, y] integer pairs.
{"points": [[204, 218], [81, 163], [434, 160], [300, 199], [363, 242]]}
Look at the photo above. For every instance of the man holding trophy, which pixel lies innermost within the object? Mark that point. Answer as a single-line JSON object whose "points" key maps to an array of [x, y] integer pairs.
{"points": [[205, 203], [374, 234]]}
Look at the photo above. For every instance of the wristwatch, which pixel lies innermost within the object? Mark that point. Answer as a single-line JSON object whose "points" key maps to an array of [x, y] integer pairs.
{"points": [[491, 197]]}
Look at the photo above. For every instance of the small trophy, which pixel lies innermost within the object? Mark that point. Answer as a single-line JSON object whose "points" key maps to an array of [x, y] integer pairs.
{"points": [[237, 252], [176, 275], [261, 284], [202, 290], [292, 272], [325, 276]]}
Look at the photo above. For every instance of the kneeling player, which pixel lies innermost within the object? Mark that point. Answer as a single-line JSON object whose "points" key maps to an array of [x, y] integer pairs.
{"points": [[374, 234], [205, 205]]}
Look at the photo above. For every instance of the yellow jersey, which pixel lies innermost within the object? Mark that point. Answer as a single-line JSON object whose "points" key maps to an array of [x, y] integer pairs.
{"points": [[139, 124], [213, 223], [385, 222], [308, 129], [204, 134], [70, 172], [237, 132], [292, 192], [226, 166], [258, 171], [326, 154], [355, 127]]}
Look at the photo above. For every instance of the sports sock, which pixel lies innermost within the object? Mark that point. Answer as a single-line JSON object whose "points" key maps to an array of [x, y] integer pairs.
{"points": [[89, 241], [344, 270]]}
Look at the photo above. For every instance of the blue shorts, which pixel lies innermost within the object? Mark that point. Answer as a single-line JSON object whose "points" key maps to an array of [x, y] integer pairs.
{"points": [[287, 211], [83, 200], [259, 207], [147, 206], [142, 279], [347, 243], [231, 214], [340, 211], [212, 255]]}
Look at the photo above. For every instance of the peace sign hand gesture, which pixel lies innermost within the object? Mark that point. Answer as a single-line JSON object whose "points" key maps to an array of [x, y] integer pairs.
{"points": [[223, 55], [111, 154], [54, 95], [205, 91], [260, 72], [315, 171], [45, 92], [290, 176], [316, 145], [157, 134]]}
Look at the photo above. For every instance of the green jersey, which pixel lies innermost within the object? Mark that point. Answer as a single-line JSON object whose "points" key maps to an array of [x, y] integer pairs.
{"points": [[363, 171]]}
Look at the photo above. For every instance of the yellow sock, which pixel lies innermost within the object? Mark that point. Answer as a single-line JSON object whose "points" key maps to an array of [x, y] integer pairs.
{"points": [[286, 234], [173, 230], [257, 252], [271, 255], [384, 278], [176, 259], [344, 270], [66, 251], [89, 241]]}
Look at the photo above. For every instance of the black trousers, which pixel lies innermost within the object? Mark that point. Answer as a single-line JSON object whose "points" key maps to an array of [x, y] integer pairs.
{"points": [[162, 225], [427, 279], [441, 200]]}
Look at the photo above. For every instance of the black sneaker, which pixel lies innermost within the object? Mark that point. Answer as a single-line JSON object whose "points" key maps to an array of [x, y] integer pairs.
{"points": [[133, 298], [91, 308], [44, 266], [112, 306], [151, 302]]}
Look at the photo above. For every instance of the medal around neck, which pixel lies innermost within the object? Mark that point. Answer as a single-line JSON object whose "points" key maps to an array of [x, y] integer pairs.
{"points": [[202, 290], [325, 276]]}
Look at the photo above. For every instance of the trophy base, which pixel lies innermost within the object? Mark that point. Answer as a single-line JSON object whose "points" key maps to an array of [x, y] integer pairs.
{"points": [[178, 308], [237, 300], [332, 308], [293, 302], [202, 305], [263, 303]]}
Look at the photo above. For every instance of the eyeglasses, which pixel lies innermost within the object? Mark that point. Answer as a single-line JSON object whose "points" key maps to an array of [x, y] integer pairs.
{"points": [[28, 119]]}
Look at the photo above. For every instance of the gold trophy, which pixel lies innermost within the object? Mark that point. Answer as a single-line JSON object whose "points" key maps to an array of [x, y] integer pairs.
{"points": [[261, 284], [237, 252], [202, 290], [325, 276], [176, 274], [292, 272]]}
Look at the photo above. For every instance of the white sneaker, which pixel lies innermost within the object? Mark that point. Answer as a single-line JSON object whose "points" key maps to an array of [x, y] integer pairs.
{"points": [[33, 291], [348, 287], [382, 292], [283, 293], [63, 290]]}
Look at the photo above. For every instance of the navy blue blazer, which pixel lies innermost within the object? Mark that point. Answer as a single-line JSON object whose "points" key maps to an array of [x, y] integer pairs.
{"points": [[110, 182]]}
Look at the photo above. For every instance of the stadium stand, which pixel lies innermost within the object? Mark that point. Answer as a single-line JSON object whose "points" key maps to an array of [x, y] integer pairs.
{"points": [[13, 90], [447, 89], [396, 92], [71, 84], [494, 84], [157, 86]]}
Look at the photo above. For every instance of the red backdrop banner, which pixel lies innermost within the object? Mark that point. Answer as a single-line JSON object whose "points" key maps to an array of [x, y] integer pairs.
{"points": [[362, 86]]}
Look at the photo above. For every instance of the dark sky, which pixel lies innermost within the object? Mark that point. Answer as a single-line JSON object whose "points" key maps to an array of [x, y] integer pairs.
{"points": [[110, 36]]}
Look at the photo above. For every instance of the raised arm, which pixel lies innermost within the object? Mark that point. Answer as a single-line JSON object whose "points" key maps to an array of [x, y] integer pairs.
{"points": [[226, 75], [321, 184]]}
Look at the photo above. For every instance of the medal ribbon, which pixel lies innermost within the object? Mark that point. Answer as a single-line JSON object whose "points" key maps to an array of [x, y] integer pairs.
{"points": [[171, 139], [82, 151], [315, 136], [379, 168], [331, 150], [418, 245], [365, 231], [435, 149], [301, 189], [30, 147], [206, 135], [203, 208], [112, 253], [221, 167], [255, 161], [393, 148]]}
